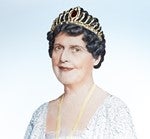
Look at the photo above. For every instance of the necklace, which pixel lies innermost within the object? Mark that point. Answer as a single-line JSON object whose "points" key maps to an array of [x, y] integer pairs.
{"points": [[79, 116]]}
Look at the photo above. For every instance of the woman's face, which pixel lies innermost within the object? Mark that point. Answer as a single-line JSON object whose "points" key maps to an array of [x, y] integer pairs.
{"points": [[71, 61]]}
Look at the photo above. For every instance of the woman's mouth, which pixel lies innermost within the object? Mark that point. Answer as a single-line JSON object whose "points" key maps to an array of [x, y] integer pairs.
{"points": [[65, 68]]}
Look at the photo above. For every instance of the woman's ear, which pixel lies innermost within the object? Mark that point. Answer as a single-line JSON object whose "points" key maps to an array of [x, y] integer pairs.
{"points": [[96, 61]]}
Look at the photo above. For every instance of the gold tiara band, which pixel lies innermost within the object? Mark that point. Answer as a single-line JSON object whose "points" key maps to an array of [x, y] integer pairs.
{"points": [[79, 17]]}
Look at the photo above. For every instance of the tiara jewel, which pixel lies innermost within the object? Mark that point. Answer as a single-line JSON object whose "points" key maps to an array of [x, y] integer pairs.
{"points": [[79, 17]]}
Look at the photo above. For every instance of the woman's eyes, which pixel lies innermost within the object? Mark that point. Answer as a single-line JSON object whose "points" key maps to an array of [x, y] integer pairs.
{"points": [[58, 48], [73, 49]]}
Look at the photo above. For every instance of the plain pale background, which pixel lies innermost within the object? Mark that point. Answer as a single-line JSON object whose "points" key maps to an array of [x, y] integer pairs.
{"points": [[26, 76]]}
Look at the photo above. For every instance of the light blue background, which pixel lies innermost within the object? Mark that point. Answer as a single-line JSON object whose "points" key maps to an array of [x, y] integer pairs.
{"points": [[26, 77]]}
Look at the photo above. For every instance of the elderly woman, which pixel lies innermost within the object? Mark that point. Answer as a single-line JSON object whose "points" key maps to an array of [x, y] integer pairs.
{"points": [[84, 110]]}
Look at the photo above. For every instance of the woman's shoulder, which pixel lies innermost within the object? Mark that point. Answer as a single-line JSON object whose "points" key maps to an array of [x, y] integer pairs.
{"points": [[37, 119], [117, 114], [41, 108], [113, 109], [40, 111], [116, 107], [113, 101]]}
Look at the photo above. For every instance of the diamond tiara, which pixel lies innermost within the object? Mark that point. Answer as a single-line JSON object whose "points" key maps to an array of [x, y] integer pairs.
{"points": [[79, 17]]}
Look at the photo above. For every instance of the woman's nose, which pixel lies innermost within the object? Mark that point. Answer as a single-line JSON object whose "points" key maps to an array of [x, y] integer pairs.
{"points": [[64, 56]]}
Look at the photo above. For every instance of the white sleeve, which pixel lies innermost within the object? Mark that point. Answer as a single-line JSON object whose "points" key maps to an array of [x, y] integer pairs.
{"points": [[36, 125], [30, 126], [119, 124]]}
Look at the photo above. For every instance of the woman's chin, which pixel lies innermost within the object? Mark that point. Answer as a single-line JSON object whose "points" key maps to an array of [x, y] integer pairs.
{"points": [[68, 80]]}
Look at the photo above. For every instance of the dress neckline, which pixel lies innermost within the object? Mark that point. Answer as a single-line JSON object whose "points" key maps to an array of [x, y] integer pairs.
{"points": [[89, 122]]}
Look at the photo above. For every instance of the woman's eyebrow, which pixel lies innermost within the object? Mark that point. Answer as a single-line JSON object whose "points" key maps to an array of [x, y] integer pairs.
{"points": [[79, 46], [56, 44]]}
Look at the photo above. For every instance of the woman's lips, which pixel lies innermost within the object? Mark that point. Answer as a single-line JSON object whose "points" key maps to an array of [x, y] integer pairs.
{"points": [[65, 68]]}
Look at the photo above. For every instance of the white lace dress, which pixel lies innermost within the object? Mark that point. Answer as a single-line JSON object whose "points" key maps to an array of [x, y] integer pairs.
{"points": [[112, 120]]}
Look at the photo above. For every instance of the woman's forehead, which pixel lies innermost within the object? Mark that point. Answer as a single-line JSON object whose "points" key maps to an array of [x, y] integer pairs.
{"points": [[64, 38]]}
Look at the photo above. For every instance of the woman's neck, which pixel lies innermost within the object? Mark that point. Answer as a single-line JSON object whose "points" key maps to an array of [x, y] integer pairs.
{"points": [[77, 91]]}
